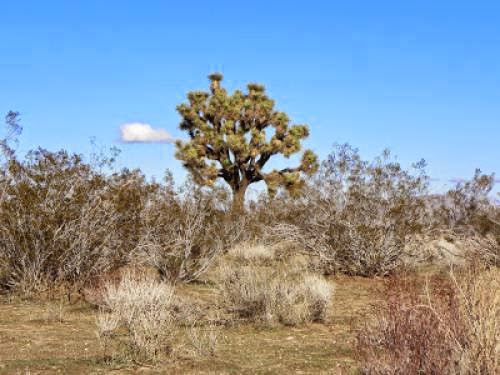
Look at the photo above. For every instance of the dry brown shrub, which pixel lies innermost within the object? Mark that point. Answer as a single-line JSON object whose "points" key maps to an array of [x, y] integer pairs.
{"points": [[360, 217], [479, 296], [184, 231], [142, 306], [63, 222], [482, 248], [318, 292], [95, 289], [141, 318], [449, 327], [466, 208], [267, 295], [355, 216]]}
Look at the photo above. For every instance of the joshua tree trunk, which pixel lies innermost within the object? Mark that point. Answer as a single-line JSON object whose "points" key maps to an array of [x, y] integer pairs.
{"points": [[239, 198]]}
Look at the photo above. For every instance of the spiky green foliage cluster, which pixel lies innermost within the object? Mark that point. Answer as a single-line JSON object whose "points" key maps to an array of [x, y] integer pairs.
{"points": [[229, 139]]}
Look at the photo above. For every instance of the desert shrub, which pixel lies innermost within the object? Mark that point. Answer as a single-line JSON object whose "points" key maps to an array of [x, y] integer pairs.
{"points": [[451, 327], [466, 214], [359, 218], [465, 207], [318, 293], [182, 231], [144, 319], [486, 234], [129, 194], [468, 211], [247, 293], [479, 296], [142, 306], [268, 296], [355, 216], [48, 208], [482, 248], [64, 222]]}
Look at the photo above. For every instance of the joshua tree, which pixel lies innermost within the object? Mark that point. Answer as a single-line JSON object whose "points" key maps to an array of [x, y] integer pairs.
{"points": [[228, 140]]}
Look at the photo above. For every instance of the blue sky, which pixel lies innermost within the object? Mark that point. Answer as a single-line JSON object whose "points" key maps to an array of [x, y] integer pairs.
{"points": [[422, 79]]}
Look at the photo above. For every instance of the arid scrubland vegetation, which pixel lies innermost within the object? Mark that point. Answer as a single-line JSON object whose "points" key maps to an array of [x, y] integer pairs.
{"points": [[345, 266]]}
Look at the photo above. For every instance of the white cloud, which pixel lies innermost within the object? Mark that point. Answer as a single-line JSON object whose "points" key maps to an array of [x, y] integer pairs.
{"points": [[143, 133]]}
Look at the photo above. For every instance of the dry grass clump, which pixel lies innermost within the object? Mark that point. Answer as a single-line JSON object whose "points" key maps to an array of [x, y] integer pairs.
{"points": [[318, 292], [203, 341], [269, 296], [54, 312], [251, 253], [107, 324], [141, 306], [479, 295], [451, 327]]}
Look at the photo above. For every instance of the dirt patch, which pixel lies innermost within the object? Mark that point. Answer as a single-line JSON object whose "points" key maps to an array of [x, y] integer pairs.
{"points": [[31, 344]]}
